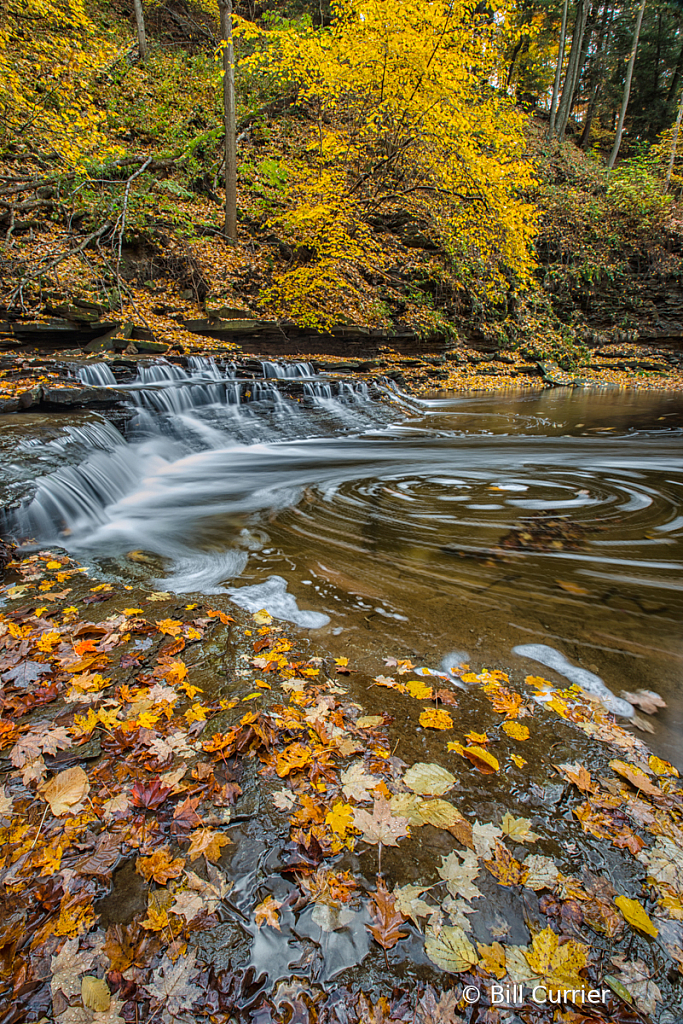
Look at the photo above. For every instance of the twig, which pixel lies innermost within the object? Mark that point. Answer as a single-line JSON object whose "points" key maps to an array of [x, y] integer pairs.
{"points": [[122, 218], [60, 259]]}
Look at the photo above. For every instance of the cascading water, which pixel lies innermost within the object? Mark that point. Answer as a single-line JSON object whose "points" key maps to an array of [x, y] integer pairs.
{"points": [[97, 375], [284, 371]]}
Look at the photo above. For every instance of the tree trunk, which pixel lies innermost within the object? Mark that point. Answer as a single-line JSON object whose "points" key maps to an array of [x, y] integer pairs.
{"points": [[673, 88], [230, 228], [627, 87], [674, 142], [572, 70], [558, 70], [597, 72], [140, 23]]}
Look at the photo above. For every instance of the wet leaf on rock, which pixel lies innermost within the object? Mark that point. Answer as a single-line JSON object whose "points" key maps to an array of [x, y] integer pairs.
{"points": [[357, 784], [505, 868], [482, 759], [493, 959], [435, 718], [381, 826], [518, 828], [540, 872], [386, 917], [160, 866], [65, 791], [451, 950], [409, 903], [208, 842], [558, 965], [428, 779], [636, 916], [458, 872]]}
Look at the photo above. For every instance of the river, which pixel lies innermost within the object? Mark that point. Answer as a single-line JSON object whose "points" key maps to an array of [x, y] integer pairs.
{"points": [[389, 526]]}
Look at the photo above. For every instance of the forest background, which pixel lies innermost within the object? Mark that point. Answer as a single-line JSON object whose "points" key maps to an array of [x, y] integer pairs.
{"points": [[509, 171]]}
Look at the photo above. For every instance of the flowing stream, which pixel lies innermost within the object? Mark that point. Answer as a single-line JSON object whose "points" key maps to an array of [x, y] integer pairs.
{"points": [[394, 527]]}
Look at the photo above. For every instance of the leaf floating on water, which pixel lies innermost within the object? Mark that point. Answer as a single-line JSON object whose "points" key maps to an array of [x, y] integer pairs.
{"points": [[636, 916], [267, 913], [381, 826], [208, 842], [331, 918], [428, 779], [441, 814], [435, 718], [451, 950], [519, 761], [647, 700], [369, 721]]}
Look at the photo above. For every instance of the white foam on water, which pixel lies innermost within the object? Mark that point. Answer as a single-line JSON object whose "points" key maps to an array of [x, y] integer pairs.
{"points": [[588, 681], [272, 595]]}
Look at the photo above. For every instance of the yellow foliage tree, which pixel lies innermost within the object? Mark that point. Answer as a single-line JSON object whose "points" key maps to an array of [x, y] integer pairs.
{"points": [[50, 61], [405, 114]]}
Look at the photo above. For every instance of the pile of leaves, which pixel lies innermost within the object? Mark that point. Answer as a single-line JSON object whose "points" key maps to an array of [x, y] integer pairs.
{"points": [[129, 791]]}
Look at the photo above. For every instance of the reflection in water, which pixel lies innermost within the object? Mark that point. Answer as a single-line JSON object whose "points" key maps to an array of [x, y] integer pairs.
{"points": [[410, 535]]}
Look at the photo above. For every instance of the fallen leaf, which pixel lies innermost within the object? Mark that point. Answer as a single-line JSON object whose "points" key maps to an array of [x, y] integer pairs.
{"points": [[636, 916], [647, 700], [492, 959], [65, 791], [419, 690], [451, 950], [409, 903], [505, 868], [357, 784], [95, 994], [267, 911], [515, 730], [540, 872], [482, 759], [160, 866], [459, 871], [435, 718], [518, 828], [428, 779], [558, 965], [386, 917], [208, 842], [262, 617], [381, 826]]}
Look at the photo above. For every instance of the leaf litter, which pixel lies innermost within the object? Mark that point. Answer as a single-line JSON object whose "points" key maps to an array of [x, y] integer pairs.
{"points": [[118, 751]]}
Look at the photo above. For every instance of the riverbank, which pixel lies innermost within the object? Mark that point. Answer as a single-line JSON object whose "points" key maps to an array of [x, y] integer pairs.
{"points": [[207, 813]]}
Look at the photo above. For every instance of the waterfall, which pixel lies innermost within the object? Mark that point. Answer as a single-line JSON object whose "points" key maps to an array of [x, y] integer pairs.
{"points": [[98, 375], [161, 373], [284, 371]]}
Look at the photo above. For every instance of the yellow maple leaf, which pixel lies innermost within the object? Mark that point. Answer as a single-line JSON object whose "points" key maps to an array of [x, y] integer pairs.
{"points": [[147, 719], [262, 617], [516, 730], [53, 565], [558, 965], [132, 611], [171, 627], [196, 713], [343, 662], [208, 842], [84, 724], [340, 818], [493, 959], [435, 718], [519, 761], [419, 690], [660, 767], [109, 719]]}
